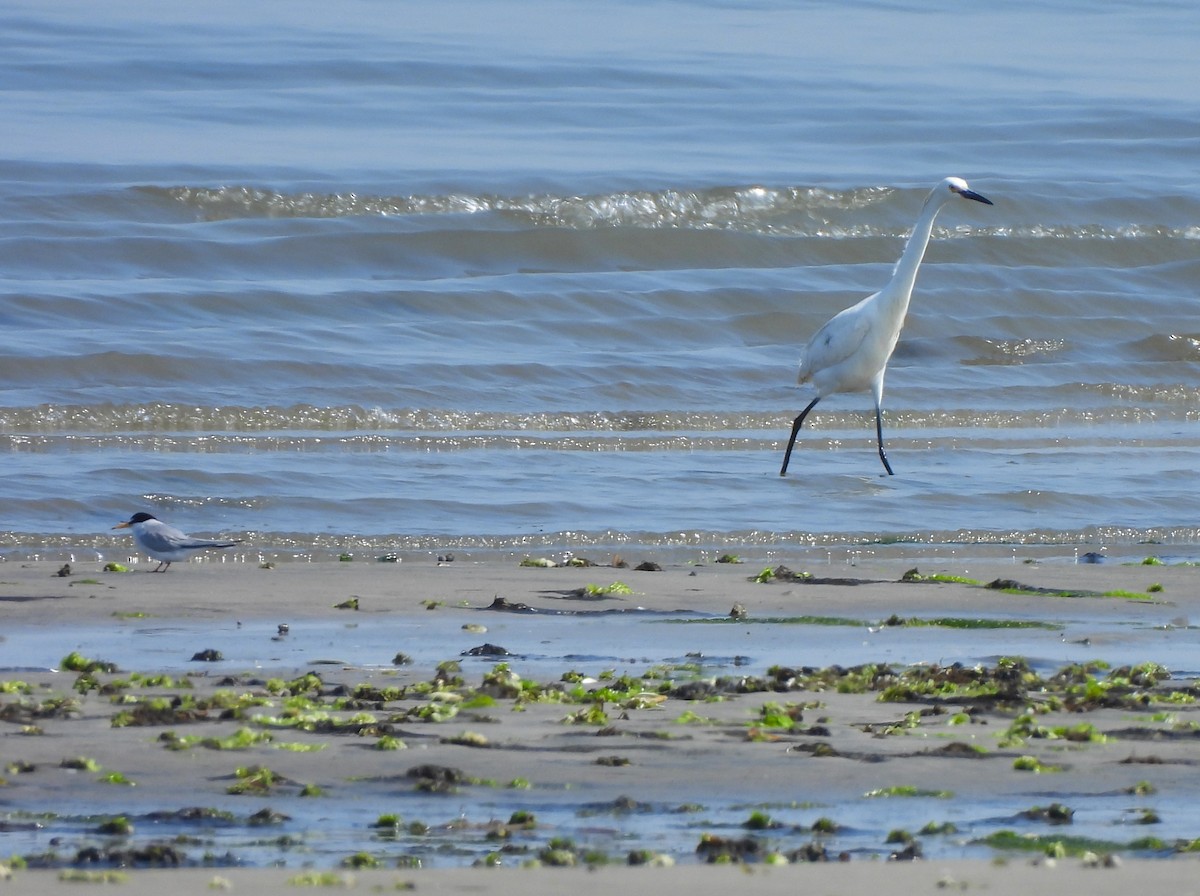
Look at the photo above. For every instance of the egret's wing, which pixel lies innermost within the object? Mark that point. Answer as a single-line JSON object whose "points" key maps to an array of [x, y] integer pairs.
{"points": [[836, 341]]}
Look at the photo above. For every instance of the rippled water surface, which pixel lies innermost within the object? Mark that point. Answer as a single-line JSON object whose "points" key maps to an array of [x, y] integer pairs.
{"points": [[509, 278]]}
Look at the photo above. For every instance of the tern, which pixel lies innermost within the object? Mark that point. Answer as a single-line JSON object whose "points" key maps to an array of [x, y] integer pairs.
{"points": [[164, 543], [850, 353]]}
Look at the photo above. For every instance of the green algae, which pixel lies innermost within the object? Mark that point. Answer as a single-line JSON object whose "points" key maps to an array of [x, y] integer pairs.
{"points": [[614, 588], [361, 860], [963, 622], [1033, 764], [936, 829], [760, 821], [1061, 846], [689, 717], [907, 791], [78, 876], [588, 715], [321, 879], [467, 739], [765, 576], [256, 780], [241, 739], [117, 826], [777, 715], [914, 575], [75, 662], [1055, 813], [1011, 586]]}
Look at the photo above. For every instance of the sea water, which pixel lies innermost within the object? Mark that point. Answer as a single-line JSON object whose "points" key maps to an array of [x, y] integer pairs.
{"points": [[524, 276]]}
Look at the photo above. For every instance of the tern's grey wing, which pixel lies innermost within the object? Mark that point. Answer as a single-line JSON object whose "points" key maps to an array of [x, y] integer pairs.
{"points": [[161, 537], [158, 536], [191, 543]]}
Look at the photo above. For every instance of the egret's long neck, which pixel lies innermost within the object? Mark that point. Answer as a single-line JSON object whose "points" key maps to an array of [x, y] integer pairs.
{"points": [[904, 277]]}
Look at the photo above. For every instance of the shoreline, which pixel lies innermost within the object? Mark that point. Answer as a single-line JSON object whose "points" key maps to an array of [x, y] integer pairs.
{"points": [[1110, 545]]}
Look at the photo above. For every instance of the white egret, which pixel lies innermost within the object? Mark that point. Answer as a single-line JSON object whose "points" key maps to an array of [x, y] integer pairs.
{"points": [[850, 353], [164, 543]]}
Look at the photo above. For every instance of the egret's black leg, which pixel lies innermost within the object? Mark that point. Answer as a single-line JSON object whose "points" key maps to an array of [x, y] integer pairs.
{"points": [[787, 455], [879, 435]]}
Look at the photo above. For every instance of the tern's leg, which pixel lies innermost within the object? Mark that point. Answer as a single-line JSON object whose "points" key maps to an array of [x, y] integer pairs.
{"points": [[787, 455], [162, 566], [879, 436]]}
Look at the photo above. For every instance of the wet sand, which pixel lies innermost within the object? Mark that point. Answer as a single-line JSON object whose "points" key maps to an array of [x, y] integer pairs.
{"points": [[31, 591], [1043, 878], [840, 743]]}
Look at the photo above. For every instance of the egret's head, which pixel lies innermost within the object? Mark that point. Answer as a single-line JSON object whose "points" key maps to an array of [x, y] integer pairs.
{"points": [[958, 186]]}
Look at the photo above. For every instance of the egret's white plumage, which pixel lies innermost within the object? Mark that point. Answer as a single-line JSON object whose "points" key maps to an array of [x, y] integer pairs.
{"points": [[164, 543], [850, 353]]}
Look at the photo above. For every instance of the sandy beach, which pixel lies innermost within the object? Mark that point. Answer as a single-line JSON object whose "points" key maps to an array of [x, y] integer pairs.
{"points": [[1036, 879], [839, 720]]}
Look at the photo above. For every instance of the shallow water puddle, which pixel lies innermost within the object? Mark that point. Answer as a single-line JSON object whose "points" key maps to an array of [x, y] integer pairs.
{"points": [[541, 645], [439, 831]]}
